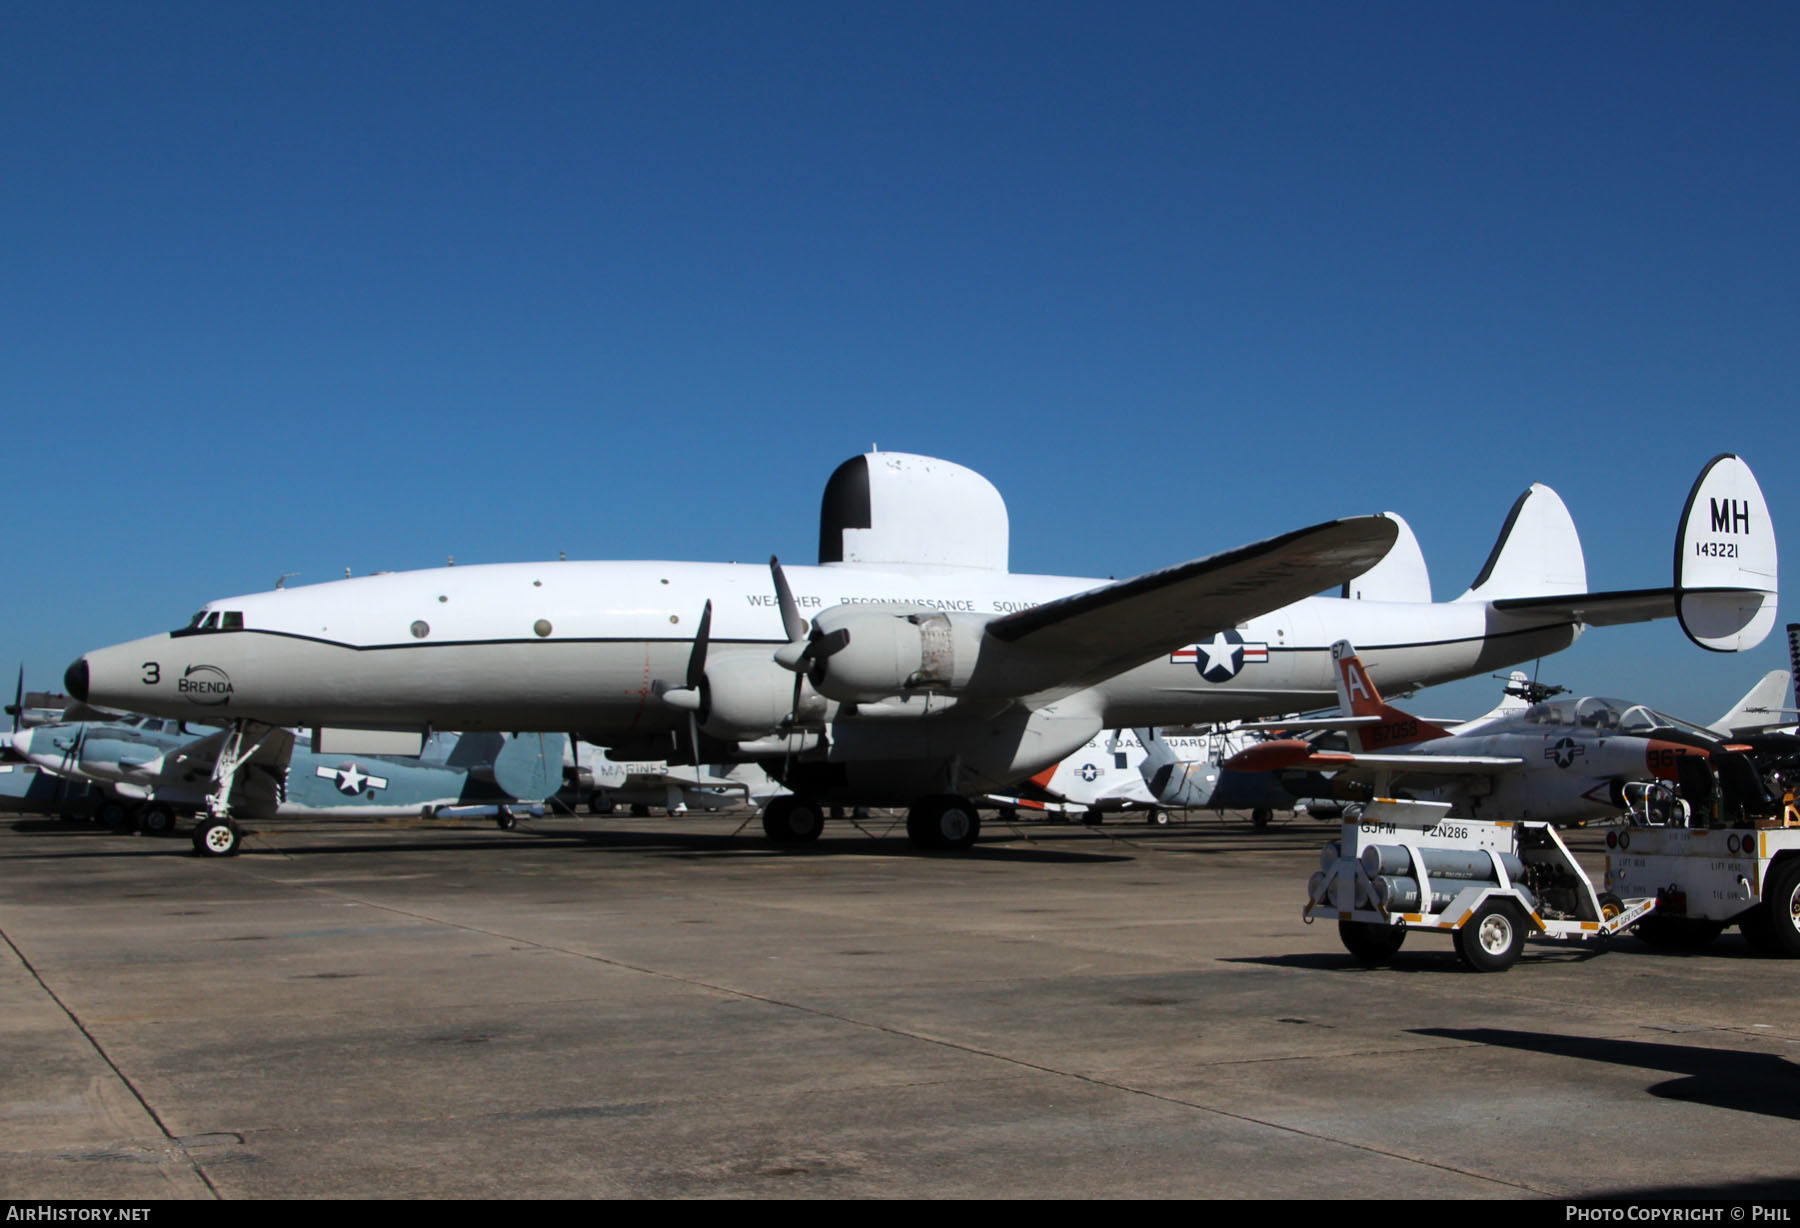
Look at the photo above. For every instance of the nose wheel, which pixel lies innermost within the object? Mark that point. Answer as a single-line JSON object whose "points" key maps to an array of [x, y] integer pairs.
{"points": [[217, 838]]}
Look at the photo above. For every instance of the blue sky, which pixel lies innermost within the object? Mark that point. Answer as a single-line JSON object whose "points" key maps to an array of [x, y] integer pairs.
{"points": [[301, 288]]}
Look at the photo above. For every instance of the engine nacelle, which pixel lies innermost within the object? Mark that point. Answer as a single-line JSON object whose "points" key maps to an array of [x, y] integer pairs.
{"points": [[892, 651], [751, 695]]}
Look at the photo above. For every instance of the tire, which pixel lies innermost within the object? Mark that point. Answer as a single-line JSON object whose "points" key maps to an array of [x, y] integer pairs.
{"points": [[1370, 941], [505, 822], [792, 820], [1262, 816], [1781, 909], [216, 838], [156, 821], [958, 823], [921, 827], [1493, 938], [943, 821], [112, 814], [1158, 817]]}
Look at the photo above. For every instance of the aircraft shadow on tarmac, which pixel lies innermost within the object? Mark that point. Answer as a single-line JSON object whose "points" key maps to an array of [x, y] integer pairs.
{"points": [[744, 844], [1760, 1083]]}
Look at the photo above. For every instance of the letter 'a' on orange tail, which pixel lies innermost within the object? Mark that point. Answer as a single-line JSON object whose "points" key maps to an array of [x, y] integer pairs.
{"points": [[1357, 696]]}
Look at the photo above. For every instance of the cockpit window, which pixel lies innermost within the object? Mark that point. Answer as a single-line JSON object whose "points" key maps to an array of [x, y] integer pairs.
{"points": [[214, 620], [1608, 716]]}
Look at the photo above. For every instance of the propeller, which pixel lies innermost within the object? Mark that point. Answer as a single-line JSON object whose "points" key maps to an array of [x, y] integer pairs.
{"points": [[693, 698], [804, 647], [18, 703]]}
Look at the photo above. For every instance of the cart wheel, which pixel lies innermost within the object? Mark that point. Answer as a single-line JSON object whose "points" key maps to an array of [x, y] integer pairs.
{"points": [[1370, 941], [1610, 906], [1493, 937]]}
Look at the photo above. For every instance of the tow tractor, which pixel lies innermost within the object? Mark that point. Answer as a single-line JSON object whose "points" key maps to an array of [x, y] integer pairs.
{"points": [[1715, 848], [1403, 865]]}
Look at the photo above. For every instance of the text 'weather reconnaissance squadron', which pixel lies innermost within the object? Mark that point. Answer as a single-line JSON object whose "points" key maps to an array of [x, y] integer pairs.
{"points": [[910, 667]]}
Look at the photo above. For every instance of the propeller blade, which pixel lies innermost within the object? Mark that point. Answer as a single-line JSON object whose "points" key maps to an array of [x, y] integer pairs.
{"points": [[696, 670], [18, 708], [791, 621]]}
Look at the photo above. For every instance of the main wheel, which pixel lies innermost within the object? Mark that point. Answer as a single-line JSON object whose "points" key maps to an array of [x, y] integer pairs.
{"points": [[156, 820], [1158, 817], [792, 820], [1370, 941], [943, 821], [1262, 816], [505, 821], [1781, 910], [1493, 938], [216, 838]]}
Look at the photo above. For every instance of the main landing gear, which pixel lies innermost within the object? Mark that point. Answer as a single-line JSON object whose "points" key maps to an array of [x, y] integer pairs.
{"points": [[941, 821]]}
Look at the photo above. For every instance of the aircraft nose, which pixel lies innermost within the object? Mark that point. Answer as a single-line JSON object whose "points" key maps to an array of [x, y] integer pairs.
{"points": [[75, 679]]}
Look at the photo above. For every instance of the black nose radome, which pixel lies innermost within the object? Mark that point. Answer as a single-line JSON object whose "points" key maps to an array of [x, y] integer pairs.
{"points": [[75, 680]]}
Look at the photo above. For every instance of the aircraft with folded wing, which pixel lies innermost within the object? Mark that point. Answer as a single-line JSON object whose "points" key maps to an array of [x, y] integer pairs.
{"points": [[153, 769], [910, 666]]}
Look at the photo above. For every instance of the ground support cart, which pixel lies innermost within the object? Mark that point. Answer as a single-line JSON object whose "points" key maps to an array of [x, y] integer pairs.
{"points": [[1404, 865], [1706, 878]]}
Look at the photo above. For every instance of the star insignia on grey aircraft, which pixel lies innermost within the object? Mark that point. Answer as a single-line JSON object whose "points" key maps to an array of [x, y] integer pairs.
{"points": [[352, 780]]}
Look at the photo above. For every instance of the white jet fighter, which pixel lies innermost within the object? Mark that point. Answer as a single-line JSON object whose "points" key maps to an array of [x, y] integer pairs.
{"points": [[927, 672], [1563, 760]]}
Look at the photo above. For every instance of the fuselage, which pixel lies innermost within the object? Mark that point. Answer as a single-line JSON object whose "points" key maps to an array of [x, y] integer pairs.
{"points": [[1577, 756], [587, 646]]}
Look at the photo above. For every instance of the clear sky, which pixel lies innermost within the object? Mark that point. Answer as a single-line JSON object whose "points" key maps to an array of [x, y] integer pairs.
{"points": [[300, 288]]}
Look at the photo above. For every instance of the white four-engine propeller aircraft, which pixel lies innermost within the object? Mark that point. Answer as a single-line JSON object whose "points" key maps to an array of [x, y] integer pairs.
{"points": [[910, 667]]}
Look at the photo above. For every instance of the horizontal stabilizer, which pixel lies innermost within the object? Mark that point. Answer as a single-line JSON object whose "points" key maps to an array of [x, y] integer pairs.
{"points": [[1107, 630], [1725, 583]]}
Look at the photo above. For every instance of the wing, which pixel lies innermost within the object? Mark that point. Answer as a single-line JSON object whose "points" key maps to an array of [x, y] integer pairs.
{"points": [[1108, 630], [1286, 753], [200, 755]]}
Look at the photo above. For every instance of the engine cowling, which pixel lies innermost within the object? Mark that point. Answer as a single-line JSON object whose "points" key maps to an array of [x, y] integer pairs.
{"points": [[751, 696], [863, 654]]}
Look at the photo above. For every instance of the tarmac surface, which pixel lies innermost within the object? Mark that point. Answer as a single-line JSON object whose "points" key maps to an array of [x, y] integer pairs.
{"points": [[612, 1007]]}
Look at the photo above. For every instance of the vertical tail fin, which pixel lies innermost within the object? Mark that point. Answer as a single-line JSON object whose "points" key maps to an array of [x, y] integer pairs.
{"points": [[1761, 707], [1357, 696], [1538, 553]]}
